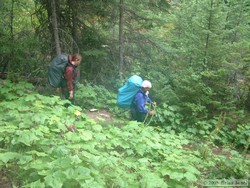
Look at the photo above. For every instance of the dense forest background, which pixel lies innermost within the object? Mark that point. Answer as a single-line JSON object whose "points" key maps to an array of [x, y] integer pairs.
{"points": [[196, 53]]}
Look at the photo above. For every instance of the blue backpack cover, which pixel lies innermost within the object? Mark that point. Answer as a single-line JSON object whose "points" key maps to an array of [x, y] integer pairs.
{"points": [[127, 92]]}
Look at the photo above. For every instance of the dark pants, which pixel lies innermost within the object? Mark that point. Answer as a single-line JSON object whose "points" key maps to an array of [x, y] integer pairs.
{"points": [[138, 116], [65, 92]]}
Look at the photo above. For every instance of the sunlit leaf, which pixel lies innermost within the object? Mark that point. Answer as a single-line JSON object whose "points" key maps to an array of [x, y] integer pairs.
{"points": [[86, 135], [53, 181], [27, 137]]}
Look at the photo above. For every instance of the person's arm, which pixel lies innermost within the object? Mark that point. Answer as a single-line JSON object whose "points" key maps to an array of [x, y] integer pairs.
{"points": [[149, 100], [69, 74], [151, 112], [140, 103]]}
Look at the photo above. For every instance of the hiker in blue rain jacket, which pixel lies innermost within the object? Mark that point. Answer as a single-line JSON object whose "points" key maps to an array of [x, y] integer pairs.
{"points": [[138, 107]]}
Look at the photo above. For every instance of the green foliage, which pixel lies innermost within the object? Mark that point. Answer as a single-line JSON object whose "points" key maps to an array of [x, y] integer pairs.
{"points": [[169, 117], [39, 150], [199, 75], [232, 131], [233, 134], [92, 96], [19, 45]]}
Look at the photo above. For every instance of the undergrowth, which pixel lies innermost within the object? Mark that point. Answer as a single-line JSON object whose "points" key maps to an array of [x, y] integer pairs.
{"points": [[44, 144]]}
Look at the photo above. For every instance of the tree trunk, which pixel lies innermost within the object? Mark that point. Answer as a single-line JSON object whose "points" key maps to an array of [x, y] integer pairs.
{"points": [[12, 36], [208, 36], [55, 27], [121, 38], [74, 14]]}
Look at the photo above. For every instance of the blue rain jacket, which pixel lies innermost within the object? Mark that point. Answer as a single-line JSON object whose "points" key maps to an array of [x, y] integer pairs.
{"points": [[140, 101]]}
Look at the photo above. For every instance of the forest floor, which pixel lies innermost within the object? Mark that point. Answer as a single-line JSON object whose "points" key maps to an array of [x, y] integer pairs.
{"points": [[4, 181], [100, 116]]}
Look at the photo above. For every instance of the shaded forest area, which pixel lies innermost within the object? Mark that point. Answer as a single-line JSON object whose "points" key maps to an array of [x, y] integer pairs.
{"points": [[196, 53]]}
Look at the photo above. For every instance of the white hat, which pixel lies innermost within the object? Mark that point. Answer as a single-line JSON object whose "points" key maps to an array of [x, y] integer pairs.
{"points": [[146, 83]]}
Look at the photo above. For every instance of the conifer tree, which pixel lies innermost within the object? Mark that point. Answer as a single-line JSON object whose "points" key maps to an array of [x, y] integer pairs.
{"points": [[202, 40]]}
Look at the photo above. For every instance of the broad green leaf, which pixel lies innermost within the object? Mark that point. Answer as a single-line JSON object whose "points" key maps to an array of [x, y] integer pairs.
{"points": [[26, 137], [53, 181], [75, 160], [54, 120], [30, 98], [192, 169], [165, 171], [70, 173], [38, 164], [36, 184], [166, 113], [37, 153], [6, 157], [82, 173], [202, 132], [39, 104], [115, 153], [40, 118], [25, 159], [80, 124], [72, 136], [177, 176], [129, 151], [141, 149], [62, 162], [78, 173], [144, 161], [125, 145], [97, 128], [151, 180], [8, 129], [190, 177], [86, 135], [100, 136]]}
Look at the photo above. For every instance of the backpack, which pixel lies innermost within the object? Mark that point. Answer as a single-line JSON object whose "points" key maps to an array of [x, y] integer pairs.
{"points": [[127, 92], [56, 70]]}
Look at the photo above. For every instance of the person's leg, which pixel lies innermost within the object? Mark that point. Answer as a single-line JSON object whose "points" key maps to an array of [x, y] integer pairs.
{"points": [[133, 113], [141, 117], [65, 93]]}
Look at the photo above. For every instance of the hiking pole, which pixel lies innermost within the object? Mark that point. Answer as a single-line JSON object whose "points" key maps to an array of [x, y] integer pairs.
{"points": [[145, 119], [151, 117], [154, 107]]}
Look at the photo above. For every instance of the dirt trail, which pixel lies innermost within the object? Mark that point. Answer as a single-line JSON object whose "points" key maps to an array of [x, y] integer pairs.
{"points": [[100, 115]]}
